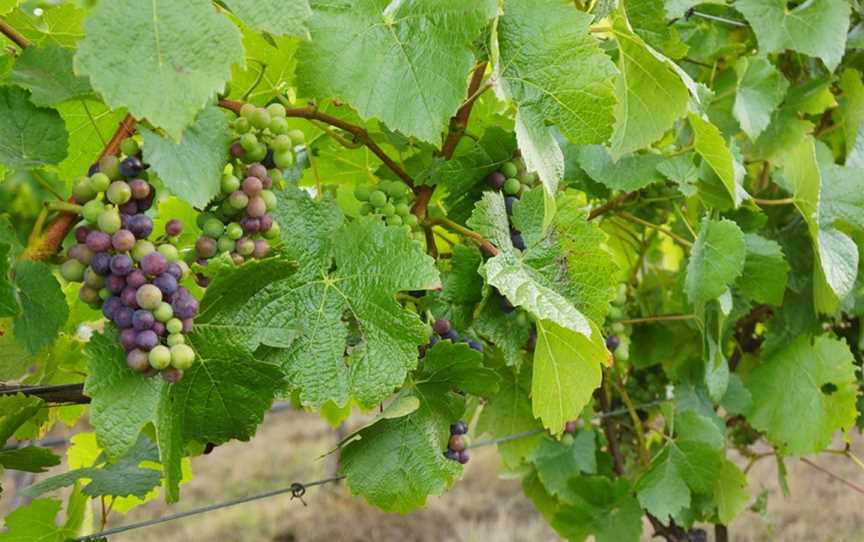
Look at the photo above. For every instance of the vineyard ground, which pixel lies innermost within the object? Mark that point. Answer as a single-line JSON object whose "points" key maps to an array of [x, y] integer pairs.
{"points": [[481, 507]]}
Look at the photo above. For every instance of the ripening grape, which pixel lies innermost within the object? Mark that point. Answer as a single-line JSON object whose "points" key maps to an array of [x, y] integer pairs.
{"points": [[159, 357], [182, 356], [138, 361], [72, 270], [148, 296], [154, 263], [164, 312], [173, 227], [99, 182], [119, 192], [123, 240]]}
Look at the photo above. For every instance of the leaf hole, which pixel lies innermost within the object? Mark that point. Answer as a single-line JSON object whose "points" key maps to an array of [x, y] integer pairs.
{"points": [[828, 388]]}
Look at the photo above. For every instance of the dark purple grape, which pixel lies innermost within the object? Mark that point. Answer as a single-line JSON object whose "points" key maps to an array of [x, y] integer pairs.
{"points": [[265, 223], [187, 324], [115, 284], [475, 345], [110, 306], [250, 225], [185, 307], [172, 375], [159, 328], [154, 264], [612, 342], [127, 338], [516, 238], [146, 203], [167, 283], [140, 225], [101, 263], [252, 186], [451, 335], [136, 278], [131, 166], [123, 317], [173, 227], [433, 340], [459, 428], [456, 443], [268, 159], [129, 208], [464, 457], [142, 319], [146, 340], [175, 270], [138, 361], [508, 203], [121, 265], [237, 150], [123, 240], [81, 234], [441, 326], [129, 296], [570, 427], [496, 180], [93, 169], [451, 455], [81, 253], [98, 241], [262, 248], [140, 189]]}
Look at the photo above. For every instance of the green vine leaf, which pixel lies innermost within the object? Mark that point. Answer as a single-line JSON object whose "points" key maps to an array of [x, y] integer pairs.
{"points": [[46, 72], [273, 16], [716, 260], [43, 306], [30, 136]]}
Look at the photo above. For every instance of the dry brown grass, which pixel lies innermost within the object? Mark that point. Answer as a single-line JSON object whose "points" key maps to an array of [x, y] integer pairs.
{"points": [[481, 507]]}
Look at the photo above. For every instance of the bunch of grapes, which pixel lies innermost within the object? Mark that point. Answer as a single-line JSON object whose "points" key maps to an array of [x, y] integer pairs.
{"points": [[618, 341], [135, 282], [513, 179], [445, 331], [458, 443], [390, 200], [239, 221]]}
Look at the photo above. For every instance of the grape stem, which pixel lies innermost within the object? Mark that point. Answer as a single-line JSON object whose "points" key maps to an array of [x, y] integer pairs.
{"points": [[487, 246], [658, 318], [14, 35], [64, 206], [666, 231]]}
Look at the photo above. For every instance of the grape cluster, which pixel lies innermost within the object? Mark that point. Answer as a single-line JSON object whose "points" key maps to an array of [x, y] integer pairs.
{"points": [[391, 200], [513, 179], [135, 282], [457, 446], [618, 341], [445, 331], [239, 221]]}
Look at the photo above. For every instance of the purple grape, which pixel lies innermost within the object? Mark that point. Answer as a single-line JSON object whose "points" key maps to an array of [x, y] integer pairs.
{"points": [[131, 166], [171, 375], [256, 207], [256, 170], [175, 270], [81, 253], [167, 283], [110, 306], [121, 265], [570, 427], [464, 457], [459, 428], [129, 208], [252, 186], [173, 227], [140, 225], [187, 324], [127, 338], [93, 169], [123, 317], [101, 263], [457, 443], [267, 182], [115, 284], [433, 340], [516, 239], [265, 223], [88, 295], [202, 281], [185, 307], [250, 225], [142, 319], [451, 335], [159, 328], [81, 234], [268, 159], [205, 247], [451, 455], [508, 203], [137, 361], [129, 296], [140, 189], [98, 241], [262, 248], [237, 150], [496, 180], [154, 264], [475, 345], [136, 278], [146, 203], [612, 342], [146, 340], [441, 326], [123, 240]]}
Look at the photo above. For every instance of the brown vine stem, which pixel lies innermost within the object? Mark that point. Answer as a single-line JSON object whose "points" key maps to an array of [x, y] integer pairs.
{"points": [[666, 231], [14, 35], [485, 245], [611, 204]]}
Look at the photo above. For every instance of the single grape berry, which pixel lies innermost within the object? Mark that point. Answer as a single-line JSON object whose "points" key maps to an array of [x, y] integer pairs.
{"points": [[185, 307], [115, 283], [459, 428], [127, 336], [171, 375], [496, 180], [441, 326], [98, 241], [131, 166], [451, 335], [99, 182], [129, 296], [182, 356], [508, 204], [123, 317], [140, 189], [456, 443], [478, 346], [81, 234], [173, 227], [142, 319], [148, 297], [146, 340], [140, 225], [154, 264], [512, 186], [136, 278], [252, 186], [72, 270], [137, 361], [205, 247], [121, 265], [464, 457], [451, 455], [81, 252], [123, 240], [516, 239], [119, 192], [612, 342], [164, 312], [570, 427], [509, 169], [101, 263], [159, 357]]}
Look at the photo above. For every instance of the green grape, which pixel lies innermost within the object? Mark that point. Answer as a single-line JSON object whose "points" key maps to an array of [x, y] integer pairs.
{"points": [[182, 356], [617, 327], [403, 209], [100, 182], [142, 248], [245, 247], [394, 220], [396, 190], [230, 183], [234, 231], [362, 192], [509, 169], [378, 198], [270, 201], [282, 142], [260, 118], [119, 192], [388, 210], [248, 141], [257, 154], [72, 270], [213, 228], [297, 136], [276, 110], [174, 325], [110, 166], [242, 125], [278, 125], [170, 252], [247, 110], [164, 312], [93, 280], [273, 232], [202, 218], [237, 200], [615, 313], [159, 357], [109, 220], [129, 147], [225, 244], [175, 339], [366, 209], [92, 209], [283, 159], [82, 190], [512, 186], [104, 294], [410, 220]]}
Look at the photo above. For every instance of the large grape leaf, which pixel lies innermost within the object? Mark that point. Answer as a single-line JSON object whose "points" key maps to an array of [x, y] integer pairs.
{"points": [[563, 79], [43, 305], [716, 260], [46, 72], [462, 290], [275, 55], [600, 507], [627, 173], [851, 108], [730, 492], [841, 198], [192, 168], [559, 461], [816, 28], [30, 136], [508, 331], [765, 270], [90, 124], [273, 16], [405, 63], [372, 263], [760, 89], [803, 393], [648, 20], [168, 62], [35, 521], [710, 145], [651, 95], [567, 370], [508, 412]]}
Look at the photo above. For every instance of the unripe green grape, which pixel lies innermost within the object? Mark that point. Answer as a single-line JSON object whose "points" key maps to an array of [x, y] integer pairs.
{"points": [[366, 209], [93, 280], [170, 252], [276, 110], [245, 247], [119, 192], [226, 211], [278, 125], [148, 297], [92, 209], [419, 236], [213, 228], [202, 218], [410, 220], [109, 220], [129, 147], [283, 159], [247, 110], [241, 125], [225, 244], [378, 198], [509, 169], [260, 118], [248, 141], [72, 270], [174, 325], [238, 200], [622, 353], [282, 142], [394, 220], [297, 136], [175, 339], [257, 154], [100, 182], [142, 248], [163, 312], [182, 356], [234, 231], [269, 198], [403, 209], [388, 210], [82, 190], [104, 294], [230, 183], [617, 327], [621, 298], [184, 268], [512, 186], [396, 190], [273, 232], [159, 357], [110, 166], [362, 192], [615, 313]]}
